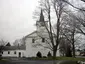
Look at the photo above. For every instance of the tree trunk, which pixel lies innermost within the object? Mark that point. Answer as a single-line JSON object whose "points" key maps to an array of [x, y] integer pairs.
{"points": [[73, 45], [54, 54], [73, 50], [68, 52]]}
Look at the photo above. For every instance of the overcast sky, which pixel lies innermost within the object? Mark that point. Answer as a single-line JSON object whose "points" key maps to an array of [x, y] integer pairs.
{"points": [[16, 18]]}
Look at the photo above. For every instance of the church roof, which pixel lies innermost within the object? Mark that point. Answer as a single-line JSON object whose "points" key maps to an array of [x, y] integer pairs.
{"points": [[8, 44], [30, 34], [14, 48]]}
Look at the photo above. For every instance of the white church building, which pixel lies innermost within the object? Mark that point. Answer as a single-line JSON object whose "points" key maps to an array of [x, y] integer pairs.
{"points": [[34, 42]]}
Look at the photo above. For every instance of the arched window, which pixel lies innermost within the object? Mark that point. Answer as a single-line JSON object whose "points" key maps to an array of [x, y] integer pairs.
{"points": [[33, 40], [15, 52], [43, 39], [8, 52], [2, 52]]}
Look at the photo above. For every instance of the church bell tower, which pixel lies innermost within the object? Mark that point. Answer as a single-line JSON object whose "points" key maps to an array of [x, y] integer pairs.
{"points": [[41, 23]]}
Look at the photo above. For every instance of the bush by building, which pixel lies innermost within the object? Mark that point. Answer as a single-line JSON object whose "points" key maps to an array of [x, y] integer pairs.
{"points": [[49, 54]]}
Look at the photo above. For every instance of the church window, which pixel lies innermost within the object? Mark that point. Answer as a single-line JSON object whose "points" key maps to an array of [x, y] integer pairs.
{"points": [[15, 52], [43, 39], [33, 40], [2, 52], [8, 52]]}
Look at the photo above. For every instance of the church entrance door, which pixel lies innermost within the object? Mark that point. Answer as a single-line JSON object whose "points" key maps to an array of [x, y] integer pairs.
{"points": [[19, 54]]}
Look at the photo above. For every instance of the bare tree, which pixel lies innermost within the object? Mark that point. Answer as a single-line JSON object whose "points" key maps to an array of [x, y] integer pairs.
{"points": [[65, 47], [69, 3], [81, 19], [83, 0], [71, 28], [57, 7]]}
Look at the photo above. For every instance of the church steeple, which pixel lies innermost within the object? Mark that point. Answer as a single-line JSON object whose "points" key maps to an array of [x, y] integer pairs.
{"points": [[41, 23], [41, 16]]}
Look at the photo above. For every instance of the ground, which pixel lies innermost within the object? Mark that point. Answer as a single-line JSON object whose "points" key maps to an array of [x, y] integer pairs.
{"points": [[26, 61], [38, 62]]}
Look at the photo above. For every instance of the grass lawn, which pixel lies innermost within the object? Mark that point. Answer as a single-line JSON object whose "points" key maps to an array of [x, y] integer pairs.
{"points": [[5, 61], [61, 58], [70, 58]]}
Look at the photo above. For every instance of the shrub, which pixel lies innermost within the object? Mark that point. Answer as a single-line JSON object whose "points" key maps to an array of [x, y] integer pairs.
{"points": [[49, 54], [39, 55], [23, 57], [44, 57], [0, 56]]}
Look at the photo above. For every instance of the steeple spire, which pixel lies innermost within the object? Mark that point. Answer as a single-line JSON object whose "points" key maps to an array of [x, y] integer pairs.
{"points": [[41, 16]]}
